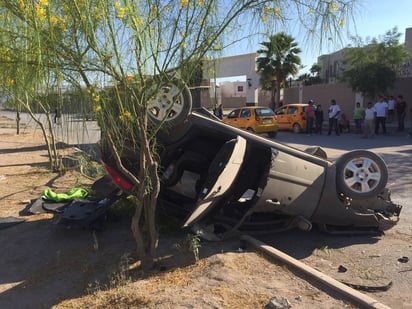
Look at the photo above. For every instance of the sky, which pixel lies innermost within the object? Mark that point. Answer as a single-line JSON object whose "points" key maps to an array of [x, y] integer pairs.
{"points": [[374, 18]]}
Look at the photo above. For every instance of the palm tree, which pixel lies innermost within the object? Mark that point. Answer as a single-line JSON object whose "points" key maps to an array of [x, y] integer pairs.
{"points": [[277, 60]]}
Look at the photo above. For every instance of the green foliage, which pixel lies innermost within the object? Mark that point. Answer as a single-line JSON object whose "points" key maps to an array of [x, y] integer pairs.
{"points": [[278, 59], [315, 69], [190, 245], [314, 77], [372, 66]]}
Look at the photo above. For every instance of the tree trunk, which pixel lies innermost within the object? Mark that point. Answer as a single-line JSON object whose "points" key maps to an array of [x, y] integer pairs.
{"points": [[277, 100], [147, 195], [273, 96], [137, 234], [54, 160], [146, 202], [18, 122], [151, 210]]}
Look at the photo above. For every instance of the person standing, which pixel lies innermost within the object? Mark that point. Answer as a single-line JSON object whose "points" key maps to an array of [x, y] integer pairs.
{"points": [[358, 117], [391, 108], [318, 119], [401, 112], [218, 111], [369, 119], [381, 108], [333, 114], [310, 117], [57, 116]]}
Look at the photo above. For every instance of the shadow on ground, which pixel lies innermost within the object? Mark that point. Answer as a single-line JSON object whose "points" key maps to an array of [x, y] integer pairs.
{"points": [[46, 264]]}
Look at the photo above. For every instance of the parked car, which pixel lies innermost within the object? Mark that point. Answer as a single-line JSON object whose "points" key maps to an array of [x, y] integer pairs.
{"points": [[220, 179], [292, 117], [253, 118]]}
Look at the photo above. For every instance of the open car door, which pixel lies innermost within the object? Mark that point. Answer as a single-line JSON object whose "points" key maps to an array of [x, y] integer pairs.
{"points": [[222, 174]]}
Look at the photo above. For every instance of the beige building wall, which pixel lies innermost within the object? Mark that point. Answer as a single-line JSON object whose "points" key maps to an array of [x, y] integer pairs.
{"points": [[323, 94]]}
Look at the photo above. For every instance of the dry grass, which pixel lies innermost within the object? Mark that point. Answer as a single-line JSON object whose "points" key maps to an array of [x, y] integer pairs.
{"points": [[160, 288]]}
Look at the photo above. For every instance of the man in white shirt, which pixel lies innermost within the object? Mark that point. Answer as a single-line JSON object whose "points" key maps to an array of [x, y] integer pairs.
{"points": [[381, 108], [333, 113], [391, 108], [369, 118]]}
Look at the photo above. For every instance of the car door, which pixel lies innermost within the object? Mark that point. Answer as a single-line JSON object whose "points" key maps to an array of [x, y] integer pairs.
{"points": [[222, 174], [292, 116], [294, 185], [233, 118], [282, 117], [244, 118]]}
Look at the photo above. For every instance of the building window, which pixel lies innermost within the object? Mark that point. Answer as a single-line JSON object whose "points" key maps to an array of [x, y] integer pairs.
{"points": [[239, 88]]}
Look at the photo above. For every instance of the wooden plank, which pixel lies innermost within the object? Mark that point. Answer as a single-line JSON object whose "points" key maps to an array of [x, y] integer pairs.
{"points": [[349, 292]]}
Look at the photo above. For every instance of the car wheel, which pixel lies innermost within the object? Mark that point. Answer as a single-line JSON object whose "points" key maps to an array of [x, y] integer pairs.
{"points": [[171, 104], [361, 174], [272, 134], [296, 128]]}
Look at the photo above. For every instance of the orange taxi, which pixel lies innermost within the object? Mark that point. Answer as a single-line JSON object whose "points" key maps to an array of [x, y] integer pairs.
{"points": [[257, 119], [292, 117]]}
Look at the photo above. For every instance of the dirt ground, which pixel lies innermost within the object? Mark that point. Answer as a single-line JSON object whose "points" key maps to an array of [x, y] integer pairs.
{"points": [[46, 266]]}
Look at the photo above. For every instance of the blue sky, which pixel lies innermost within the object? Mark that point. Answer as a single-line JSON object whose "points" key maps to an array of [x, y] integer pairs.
{"points": [[374, 18], [377, 17]]}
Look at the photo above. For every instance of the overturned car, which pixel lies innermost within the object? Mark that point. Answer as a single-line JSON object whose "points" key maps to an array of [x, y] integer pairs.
{"points": [[221, 179]]}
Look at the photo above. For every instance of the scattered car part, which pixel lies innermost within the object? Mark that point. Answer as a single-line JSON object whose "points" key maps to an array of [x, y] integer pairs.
{"points": [[403, 259], [369, 288]]}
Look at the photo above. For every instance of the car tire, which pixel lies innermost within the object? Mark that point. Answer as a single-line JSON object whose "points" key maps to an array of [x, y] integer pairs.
{"points": [[272, 134], [361, 174], [296, 128], [172, 104]]}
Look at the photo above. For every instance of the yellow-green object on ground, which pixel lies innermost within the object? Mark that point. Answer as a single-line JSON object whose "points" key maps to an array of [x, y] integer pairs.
{"points": [[61, 197]]}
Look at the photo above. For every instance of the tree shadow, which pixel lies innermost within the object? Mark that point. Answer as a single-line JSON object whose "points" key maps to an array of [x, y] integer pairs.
{"points": [[43, 264], [59, 145], [301, 244]]}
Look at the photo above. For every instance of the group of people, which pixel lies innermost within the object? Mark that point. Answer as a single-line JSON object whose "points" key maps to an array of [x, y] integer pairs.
{"points": [[315, 118], [367, 120], [377, 115]]}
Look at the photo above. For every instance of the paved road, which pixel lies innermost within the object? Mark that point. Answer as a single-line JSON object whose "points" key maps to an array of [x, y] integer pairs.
{"points": [[336, 145]]}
